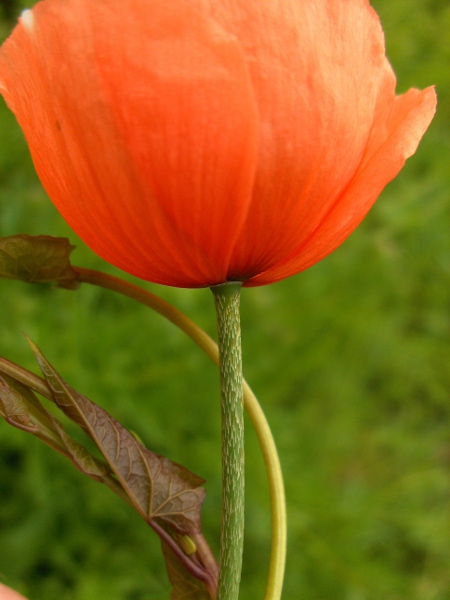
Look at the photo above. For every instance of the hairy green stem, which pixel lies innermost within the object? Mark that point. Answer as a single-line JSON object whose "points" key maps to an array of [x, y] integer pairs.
{"points": [[257, 417], [226, 298]]}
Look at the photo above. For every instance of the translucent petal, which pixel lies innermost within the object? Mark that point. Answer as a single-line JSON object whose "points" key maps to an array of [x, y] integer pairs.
{"points": [[142, 124]]}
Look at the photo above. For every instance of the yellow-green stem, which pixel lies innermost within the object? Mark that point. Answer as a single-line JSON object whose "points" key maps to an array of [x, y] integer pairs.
{"points": [[259, 422], [226, 299]]}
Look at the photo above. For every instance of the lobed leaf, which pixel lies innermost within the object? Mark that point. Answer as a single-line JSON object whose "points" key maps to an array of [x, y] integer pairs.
{"points": [[158, 488], [20, 408], [167, 496], [38, 259], [184, 585]]}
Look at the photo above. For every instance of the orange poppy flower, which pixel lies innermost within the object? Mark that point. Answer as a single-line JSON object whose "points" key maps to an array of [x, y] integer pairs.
{"points": [[196, 142]]}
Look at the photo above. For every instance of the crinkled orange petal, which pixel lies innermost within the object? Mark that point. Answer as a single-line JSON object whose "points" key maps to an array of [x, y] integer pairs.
{"points": [[320, 72], [392, 141], [194, 142], [142, 123]]}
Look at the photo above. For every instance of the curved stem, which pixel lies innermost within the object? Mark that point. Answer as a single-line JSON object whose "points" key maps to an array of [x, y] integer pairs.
{"points": [[226, 299], [254, 411], [277, 496]]}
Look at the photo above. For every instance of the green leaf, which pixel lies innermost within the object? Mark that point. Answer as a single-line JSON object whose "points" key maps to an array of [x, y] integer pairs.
{"points": [[38, 259]]}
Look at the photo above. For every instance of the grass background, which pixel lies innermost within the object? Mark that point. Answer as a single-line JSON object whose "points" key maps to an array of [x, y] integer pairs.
{"points": [[350, 361]]}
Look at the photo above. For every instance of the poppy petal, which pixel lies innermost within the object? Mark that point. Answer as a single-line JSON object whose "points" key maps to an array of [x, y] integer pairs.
{"points": [[316, 68], [194, 142], [391, 143], [145, 140]]}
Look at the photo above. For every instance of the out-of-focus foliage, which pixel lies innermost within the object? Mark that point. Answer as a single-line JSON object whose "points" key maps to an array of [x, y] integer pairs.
{"points": [[349, 359]]}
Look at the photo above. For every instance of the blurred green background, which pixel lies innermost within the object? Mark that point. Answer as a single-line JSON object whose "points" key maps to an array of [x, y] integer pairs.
{"points": [[350, 360]]}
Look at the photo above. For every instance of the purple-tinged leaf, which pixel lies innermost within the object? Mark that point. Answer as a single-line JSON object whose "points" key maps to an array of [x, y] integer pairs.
{"points": [[165, 494], [158, 488], [21, 408], [184, 585], [37, 259]]}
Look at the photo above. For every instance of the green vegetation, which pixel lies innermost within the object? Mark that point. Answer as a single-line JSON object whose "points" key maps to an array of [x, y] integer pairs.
{"points": [[349, 360]]}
